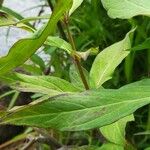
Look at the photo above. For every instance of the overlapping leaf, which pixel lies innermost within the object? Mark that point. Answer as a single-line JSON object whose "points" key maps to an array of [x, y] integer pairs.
{"points": [[39, 84], [82, 111]]}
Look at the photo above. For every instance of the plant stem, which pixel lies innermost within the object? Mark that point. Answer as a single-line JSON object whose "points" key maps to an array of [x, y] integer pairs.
{"points": [[77, 62], [76, 59], [59, 25]]}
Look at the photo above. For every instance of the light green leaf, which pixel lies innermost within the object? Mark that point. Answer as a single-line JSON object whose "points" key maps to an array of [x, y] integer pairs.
{"points": [[82, 111], [111, 146], [62, 44], [25, 48], [31, 69], [10, 17], [126, 9], [76, 4], [76, 79], [39, 84], [28, 19], [59, 43], [38, 61], [6, 19], [115, 133], [106, 61]]}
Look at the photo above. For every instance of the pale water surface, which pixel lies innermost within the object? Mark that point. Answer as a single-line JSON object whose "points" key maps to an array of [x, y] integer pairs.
{"points": [[21, 6]]}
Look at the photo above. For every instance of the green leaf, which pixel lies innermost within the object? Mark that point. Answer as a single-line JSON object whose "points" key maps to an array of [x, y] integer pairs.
{"points": [[25, 48], [82, 111], [76, 4], [115, 133], [12, 13], [28, 19], [142, 46], [39, 84], [59, 43], [106, 61], [76, 79], [126, 9], [62, 44], [31, 69], [6, 19], [39, 61], [10, 17], [111, 146]]}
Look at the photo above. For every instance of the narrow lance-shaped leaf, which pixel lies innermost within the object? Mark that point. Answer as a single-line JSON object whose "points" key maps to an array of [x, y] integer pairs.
{"points": [[75, 5], [87, 110], [23, 49], [6, 19], [10, 17], [76, 79], [106, 61], [142, 46], [126, 9], [39, 84], [60, 43]]}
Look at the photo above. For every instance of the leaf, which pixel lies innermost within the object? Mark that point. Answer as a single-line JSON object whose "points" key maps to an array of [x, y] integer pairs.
{"points": [[106, 61], [6, 19], [39, 84], [142, 46], [39, 61], [76, 79], [115, 133], [75, 5], [31, 69], [10, 17], [143, 133], [25, 48], [126, 9], [28, 19], [111, 146], [60, 43], [82, 111], [12, 13]]}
